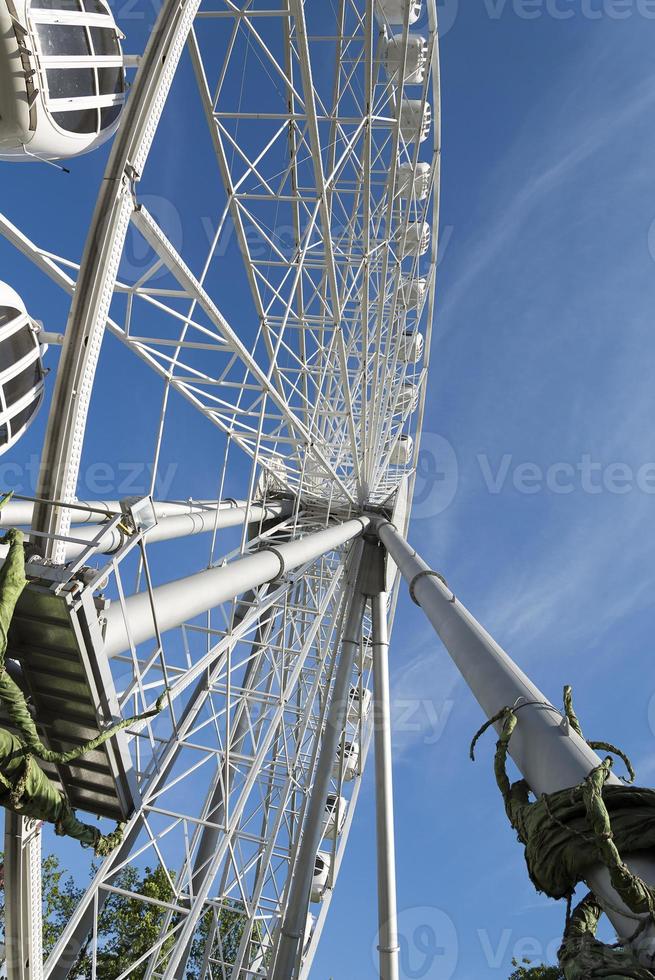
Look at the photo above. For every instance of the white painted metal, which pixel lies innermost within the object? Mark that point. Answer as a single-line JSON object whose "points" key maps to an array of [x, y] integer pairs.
{"points": [[549, 753], [305, 388], [133, 622], [183, 525], [23, 922], [386, 848], [44, 116]]}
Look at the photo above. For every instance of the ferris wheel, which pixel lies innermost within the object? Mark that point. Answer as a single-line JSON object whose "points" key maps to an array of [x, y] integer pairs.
{"points": [[311, 133]]}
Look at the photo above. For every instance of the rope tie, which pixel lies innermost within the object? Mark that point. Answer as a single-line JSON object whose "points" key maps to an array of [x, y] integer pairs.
{"points": [[548, 829]]}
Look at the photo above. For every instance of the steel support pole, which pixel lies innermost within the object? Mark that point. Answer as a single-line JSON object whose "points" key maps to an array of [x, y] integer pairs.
{"points": [[295, 918], [550, 755], [181, 600], [22, 887], [386, 848], [181, 526], [19, 513]]}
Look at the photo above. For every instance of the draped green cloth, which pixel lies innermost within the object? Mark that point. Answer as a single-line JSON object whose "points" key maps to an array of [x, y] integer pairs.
{"points": [[24, 787], [583, 957], [567, 832]]}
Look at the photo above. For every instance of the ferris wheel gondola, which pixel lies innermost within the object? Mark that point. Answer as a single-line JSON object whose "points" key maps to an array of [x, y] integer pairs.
{"points": [[62, 80]]}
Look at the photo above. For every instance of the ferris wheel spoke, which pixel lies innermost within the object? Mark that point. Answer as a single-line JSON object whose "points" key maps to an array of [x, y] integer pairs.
{"points": [[162, 246]]}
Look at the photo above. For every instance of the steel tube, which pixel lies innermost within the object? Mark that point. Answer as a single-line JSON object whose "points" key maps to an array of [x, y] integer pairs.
{"points": [[293, 926], [183, 525], [550, 755], [386, 848], [18, 513], [178, 601]]}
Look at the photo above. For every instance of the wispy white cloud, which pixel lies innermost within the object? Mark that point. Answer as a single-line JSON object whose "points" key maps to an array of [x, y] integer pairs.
{"points": [[517, 202]]}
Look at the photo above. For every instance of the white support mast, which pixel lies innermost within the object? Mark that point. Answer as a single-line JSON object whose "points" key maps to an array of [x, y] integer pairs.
{"points": [[548, 752]]}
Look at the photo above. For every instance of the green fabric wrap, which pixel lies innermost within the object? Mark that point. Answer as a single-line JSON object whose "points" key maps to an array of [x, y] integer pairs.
{"points": [[582, 957], [28, 791], [559, 844], [566, 833], [19, 713], [12, 583], [24, 787]]}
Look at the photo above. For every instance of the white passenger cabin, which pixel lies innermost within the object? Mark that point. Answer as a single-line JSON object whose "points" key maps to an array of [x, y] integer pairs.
{"points": [[410, 347], [321, 876], [21, 370], [402, 452], [412, 291], [407, 399], [62, 80], [359, 703], [414, 240], [350, 762], [393, 11], [415, 120], [334, 817], [413, 183], [416, 58]]}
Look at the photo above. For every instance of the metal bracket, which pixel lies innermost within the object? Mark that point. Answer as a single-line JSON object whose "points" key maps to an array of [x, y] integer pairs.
{"points": [[279, 557], [423, 574]]}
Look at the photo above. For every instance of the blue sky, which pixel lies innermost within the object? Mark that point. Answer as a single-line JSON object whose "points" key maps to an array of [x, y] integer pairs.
{"points": [[539, 415]]}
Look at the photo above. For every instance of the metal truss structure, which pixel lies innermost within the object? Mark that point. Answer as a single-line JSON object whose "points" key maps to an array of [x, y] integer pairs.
{"points": [[320, 127]]}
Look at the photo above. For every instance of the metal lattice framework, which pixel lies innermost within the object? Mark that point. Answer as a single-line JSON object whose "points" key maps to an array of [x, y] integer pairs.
{"points": [[320, 171]]}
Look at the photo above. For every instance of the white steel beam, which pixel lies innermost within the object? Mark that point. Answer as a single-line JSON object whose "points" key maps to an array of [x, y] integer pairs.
{"points": [[386, 848], [181, 600], [22, 888], [62, 451], [548, 752], [182, 525], [162, 247]]}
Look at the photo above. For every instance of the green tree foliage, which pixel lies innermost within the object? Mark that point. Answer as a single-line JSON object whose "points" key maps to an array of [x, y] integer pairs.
{"points": [[129, 927], [524, 971]]}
